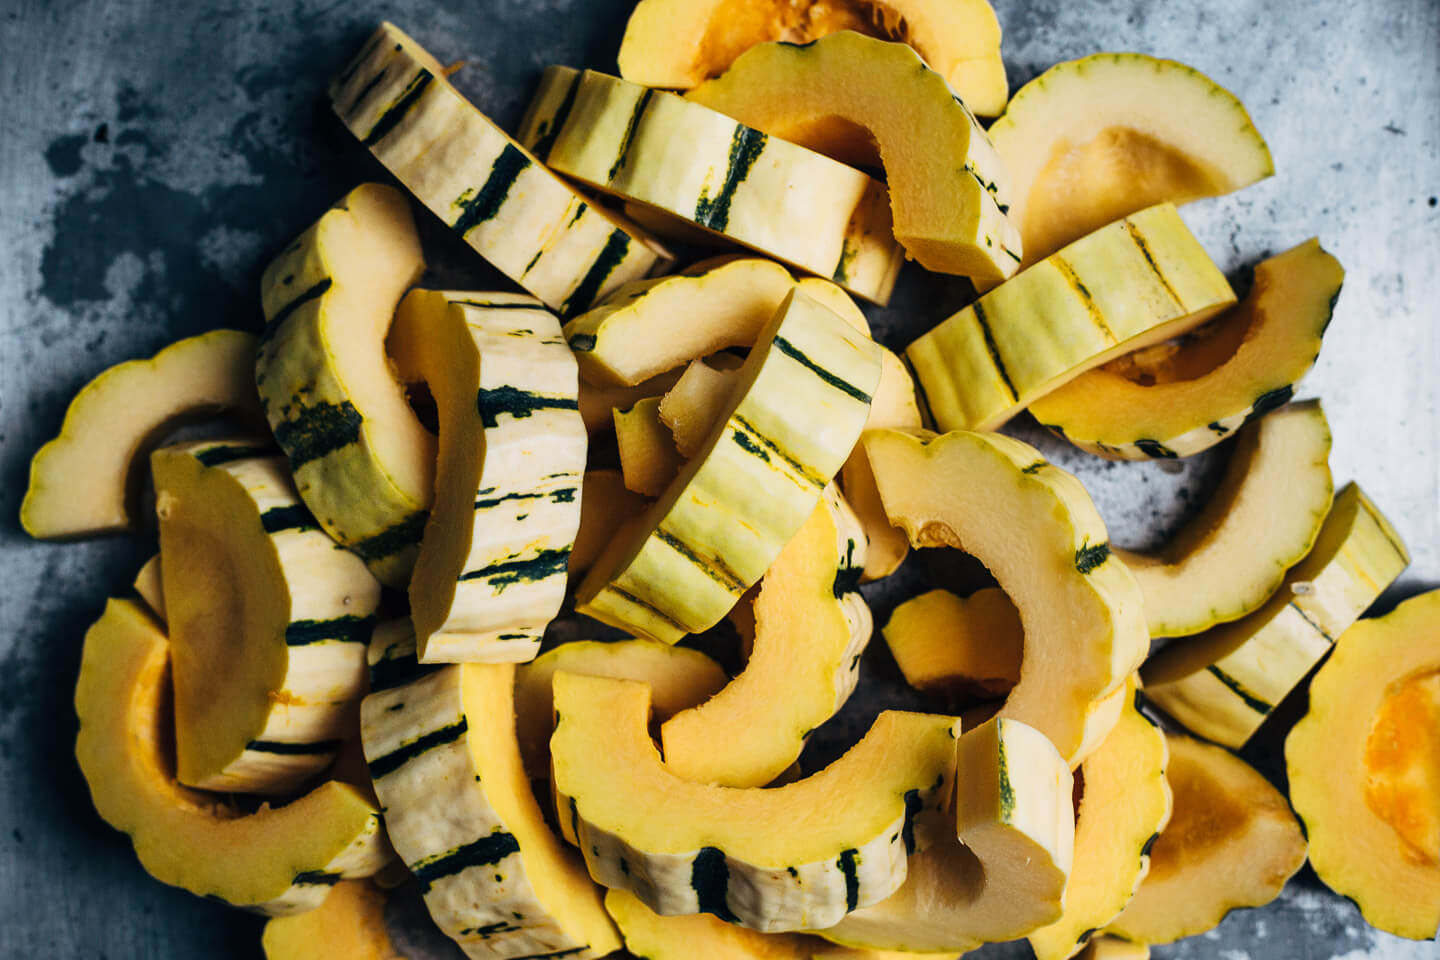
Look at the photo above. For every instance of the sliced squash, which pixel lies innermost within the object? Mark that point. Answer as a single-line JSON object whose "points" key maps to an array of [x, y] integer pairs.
{"points": [[764, 193], [598, 404], [493, 564], [1113, 948], [1231, 842], [1130, 284], [1006, 873], [802, 667], [958, 646], [350, 923], [446, 762], [778, 859], [148, 585], [1225, 682], [1364, 768], [1174, 400], [698, 399], [87, 480], [649, 459], [536, 229], [277, 860], [1095, 139], [1262, 519], [680, 43], [948, 188], [605, 504], [268, 616], [363, 463], [803, 396], [1035, 528]]}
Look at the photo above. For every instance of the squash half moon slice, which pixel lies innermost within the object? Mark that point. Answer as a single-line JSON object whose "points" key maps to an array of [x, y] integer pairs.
{"points": [[350, 924]]}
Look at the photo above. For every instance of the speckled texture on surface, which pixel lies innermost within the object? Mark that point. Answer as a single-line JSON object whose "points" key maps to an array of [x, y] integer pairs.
{"points": [[156, 154]]}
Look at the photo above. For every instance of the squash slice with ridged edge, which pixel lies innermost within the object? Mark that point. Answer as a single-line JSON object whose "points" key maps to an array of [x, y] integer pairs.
{"points": [[1036, 529], [796, 856], [532, 226], [445, 761], [1224, 683], [1262, 519], [1006, 873], [350, 923], [1174, 400], [695, 163], [277, 860], [803, 396], [948, 188], [605, 505], [803, 664], [957, 645], [649, 460], [87, 480], [493, 564], [1098, 138], [363, 463], [1231, 842], [1130, 284], [680, 43], [1124, 804], [268, 618], [1364, 768]]}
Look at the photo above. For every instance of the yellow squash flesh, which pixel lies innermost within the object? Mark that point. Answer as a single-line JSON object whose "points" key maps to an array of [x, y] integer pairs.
{"points": [[957, 645]]}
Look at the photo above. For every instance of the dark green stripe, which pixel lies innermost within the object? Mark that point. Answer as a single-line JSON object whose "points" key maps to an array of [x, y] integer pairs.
{"points": [[771, 446], [582, 342], [546, 140], [296, 517], [563, 495], [346, 629], [1149, 844], [1273, 400], [1154, 449], [714, 569], [992, 348], [1251, 701], [1086, 934], [501, 306], [710, 879], [318, 431], [361, 57], [1307, 618], [1035, 467], [616, 249], [374, 82], [1007, 789], [284, 749], [227, 453], [796, 354], [1144, 247], [629, 135], [745, 148], [486, 851], [847, 580], [1219, 428], [393, 539], [517, 403], [273, 325], [1078, 285], [541, 566], [389, 674], [403, 754], [555, 955], [486, 202], [317, 878], [913, 806], [393, 114], [1089, 557], [629, 597], [846, 863]]}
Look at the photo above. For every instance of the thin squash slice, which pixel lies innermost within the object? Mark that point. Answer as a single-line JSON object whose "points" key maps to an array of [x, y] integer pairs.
{"points": [[1262, 519], [495, 557], [681, 43], [605, 505], [1222, 684], [803, 396], [269, 619], [691, 407], [1177, 399], [1036, 529], [598, 403], [149, 587], [1095, 139], [649, 459], [1364, 768], [87, 480], [445, 759], [363, 463], [796, 856], [1231, 842], [948, 188], [277, 860], [1130, 284], [1006, 873], [536, 229], [350, 923], [695, 163], [957, 646]]}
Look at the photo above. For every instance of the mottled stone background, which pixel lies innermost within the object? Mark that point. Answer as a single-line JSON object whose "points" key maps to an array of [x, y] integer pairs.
{"points": [[155, 154]]}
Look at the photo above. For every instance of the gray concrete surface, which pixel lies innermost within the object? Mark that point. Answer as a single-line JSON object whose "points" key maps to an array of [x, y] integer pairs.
{"points": [[156, 153]]}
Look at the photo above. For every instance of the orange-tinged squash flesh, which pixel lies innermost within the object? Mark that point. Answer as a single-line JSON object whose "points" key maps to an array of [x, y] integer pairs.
{"points": [[605, 504], [1402, 755], [350, 924], [957, 646], [649, 459]]}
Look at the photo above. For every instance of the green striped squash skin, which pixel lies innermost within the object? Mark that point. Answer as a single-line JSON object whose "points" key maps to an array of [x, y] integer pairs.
{"points": [[781, 199], [366, 855], [533, 227], [803, 400], [852, 545], [332, 599]]}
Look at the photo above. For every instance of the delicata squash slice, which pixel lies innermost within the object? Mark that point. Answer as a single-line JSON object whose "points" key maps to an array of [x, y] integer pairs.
{"points": [[1364, 768], [350, 923], [957, 645]]}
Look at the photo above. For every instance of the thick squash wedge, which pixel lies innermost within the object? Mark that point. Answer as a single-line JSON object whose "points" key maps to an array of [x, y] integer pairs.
{"points": [[268, 617], [605, 505], [1231, 842], [796, 856], [597, 403], [802, 667], [536, 229], [680, 43], [1174, 400], [350, 923], [150, 587], [1128, 285], [277, 860], [493, 564], [695, 163], [363, 463], [1033, 525], [803, 396], [649, 459], [948, 189], [1364, 768], [445, 760], [1095, 139], [1124, 803], [87, 480], [957, 646], [1006, 873], [1224, 683], [1263, 518]]}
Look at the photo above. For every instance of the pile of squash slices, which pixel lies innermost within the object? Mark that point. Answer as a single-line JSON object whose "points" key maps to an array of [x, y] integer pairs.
{"points": [[335, 679]]}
